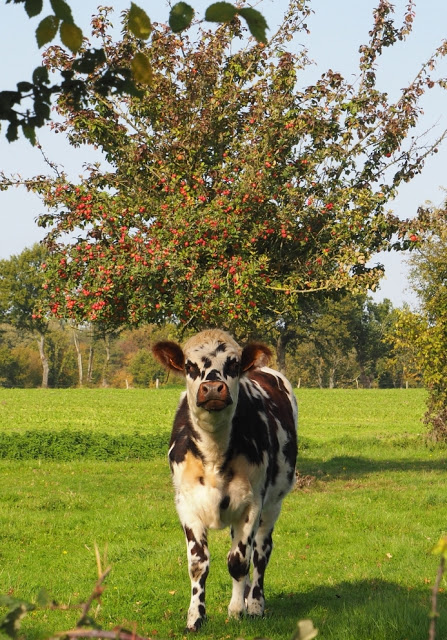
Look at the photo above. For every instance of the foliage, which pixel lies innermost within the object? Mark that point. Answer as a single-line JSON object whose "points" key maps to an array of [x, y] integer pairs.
{"points": [[405, 336], [231, 193], [121, 79], [69, 444], [427, 330], [22, 289]]}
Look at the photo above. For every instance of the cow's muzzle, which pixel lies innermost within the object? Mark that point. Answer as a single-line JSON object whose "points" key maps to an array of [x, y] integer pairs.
{"points": [[213, 395]]}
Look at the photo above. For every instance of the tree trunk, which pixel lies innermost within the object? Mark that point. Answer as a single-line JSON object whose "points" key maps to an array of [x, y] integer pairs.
{"points": [[44, 361], [281, 344], [320, 372], [331, 377], [90, 363], [105, 369], [79, 357]]}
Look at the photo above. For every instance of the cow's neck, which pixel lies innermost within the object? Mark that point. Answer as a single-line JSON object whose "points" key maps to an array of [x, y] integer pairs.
{"points": [[215, 432]]}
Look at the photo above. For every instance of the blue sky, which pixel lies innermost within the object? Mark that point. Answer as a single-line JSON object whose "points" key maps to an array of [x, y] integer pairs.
{"points": [[337, 30]]}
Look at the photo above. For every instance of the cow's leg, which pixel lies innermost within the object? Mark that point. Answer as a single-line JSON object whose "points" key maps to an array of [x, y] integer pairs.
{"points": [[198, 566], [242, 534], [262, 549]]}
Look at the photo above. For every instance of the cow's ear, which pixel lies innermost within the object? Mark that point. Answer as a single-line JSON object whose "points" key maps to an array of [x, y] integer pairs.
{"points": [[170, 355], [255, 354]]}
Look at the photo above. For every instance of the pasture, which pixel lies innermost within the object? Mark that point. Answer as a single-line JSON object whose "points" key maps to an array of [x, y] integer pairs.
{"points": [[352, 545]]}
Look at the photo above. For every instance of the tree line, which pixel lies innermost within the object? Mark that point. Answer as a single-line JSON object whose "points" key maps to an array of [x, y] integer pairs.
{"points": [[343, 342]]}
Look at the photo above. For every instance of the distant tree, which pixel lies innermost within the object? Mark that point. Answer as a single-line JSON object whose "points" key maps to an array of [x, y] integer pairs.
{"points": [[368, 326], [132, 353], [231, 193], [24, 301], [429, 279], [405, 336]]}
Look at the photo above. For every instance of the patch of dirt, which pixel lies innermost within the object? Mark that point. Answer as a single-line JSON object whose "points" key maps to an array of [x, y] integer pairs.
{"points": [[303, 482]]}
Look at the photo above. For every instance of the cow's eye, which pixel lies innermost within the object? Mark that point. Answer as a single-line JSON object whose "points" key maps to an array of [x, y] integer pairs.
{"points": [[231, 368], [191, 369]]}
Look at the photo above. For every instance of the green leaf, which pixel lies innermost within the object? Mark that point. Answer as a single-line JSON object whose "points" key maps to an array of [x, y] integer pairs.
{"points": [[89, 61], [17, 610], [11, 135], [62, 11], [139, 22], [40, 75], [180, 17], [141, 69], [24, 87], [71, 36], [47, 30], [43, 599], [220, 12], [305, 630], [440, 547], [29, 132], [256, 23], [33, 7]]}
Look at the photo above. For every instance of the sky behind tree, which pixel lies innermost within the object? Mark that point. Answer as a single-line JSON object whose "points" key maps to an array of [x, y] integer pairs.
{"points": [[336, 32]]}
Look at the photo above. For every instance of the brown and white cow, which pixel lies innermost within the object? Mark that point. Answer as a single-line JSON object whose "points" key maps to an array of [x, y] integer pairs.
{"points": [[232, 456]]}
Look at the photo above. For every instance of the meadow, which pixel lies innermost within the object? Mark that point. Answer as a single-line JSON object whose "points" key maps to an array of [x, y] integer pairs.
{"points": [[352, 545]]}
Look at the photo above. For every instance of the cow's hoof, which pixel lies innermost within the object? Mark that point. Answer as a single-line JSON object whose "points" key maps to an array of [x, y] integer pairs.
{"points": [[255, 608], [191, 628], [235, 614]]}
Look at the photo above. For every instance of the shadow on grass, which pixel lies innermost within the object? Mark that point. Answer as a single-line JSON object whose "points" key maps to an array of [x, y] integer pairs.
{"points": [[362, 610], [352, 466]]}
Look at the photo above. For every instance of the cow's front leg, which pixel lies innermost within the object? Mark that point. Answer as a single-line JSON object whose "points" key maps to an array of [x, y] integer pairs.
{"points": [[239, 556], [198, 567], [262, 549]]}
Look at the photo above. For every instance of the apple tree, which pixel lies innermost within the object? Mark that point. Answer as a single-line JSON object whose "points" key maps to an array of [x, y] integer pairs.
{"points": [[230, 192]]}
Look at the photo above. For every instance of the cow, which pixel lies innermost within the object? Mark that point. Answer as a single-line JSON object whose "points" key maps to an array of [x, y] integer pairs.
{"points": [[232, 456]]}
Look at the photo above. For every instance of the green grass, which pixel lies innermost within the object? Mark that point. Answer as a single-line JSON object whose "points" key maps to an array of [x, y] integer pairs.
{"points": [[352, 547]]}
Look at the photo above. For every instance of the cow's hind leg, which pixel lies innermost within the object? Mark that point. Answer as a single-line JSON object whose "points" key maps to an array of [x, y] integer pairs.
{"points": [[262, 549], [198, 567]]}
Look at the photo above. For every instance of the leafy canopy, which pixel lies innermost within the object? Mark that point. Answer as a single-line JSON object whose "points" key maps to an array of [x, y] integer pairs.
{"points": [[231, 191], [37, 94]]}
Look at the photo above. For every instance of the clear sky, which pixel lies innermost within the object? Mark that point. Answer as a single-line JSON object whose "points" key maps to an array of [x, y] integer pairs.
{"points": [[337, 30]]}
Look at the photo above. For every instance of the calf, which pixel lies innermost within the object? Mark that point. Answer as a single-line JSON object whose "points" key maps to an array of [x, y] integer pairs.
{"points": [[232, 456]]}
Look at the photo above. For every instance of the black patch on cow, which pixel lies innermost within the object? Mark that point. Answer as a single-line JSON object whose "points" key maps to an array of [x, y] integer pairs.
{"points": [[231, 368], [249, 435], [237, 567], [202, 580], [257, 593], [213, 376], [192, 370], [183, 437], [225, 503], [206, 362], [202, 480], [221, 348]]}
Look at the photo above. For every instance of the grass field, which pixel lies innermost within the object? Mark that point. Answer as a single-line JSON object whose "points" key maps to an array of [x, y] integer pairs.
{"points": [[352, 545]]}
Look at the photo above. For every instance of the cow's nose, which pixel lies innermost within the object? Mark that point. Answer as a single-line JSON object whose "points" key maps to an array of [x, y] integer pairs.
{"points": [[213, 395]]}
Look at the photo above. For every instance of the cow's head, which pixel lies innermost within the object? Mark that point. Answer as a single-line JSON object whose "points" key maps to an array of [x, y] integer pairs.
{"points": [[212, 363]]}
